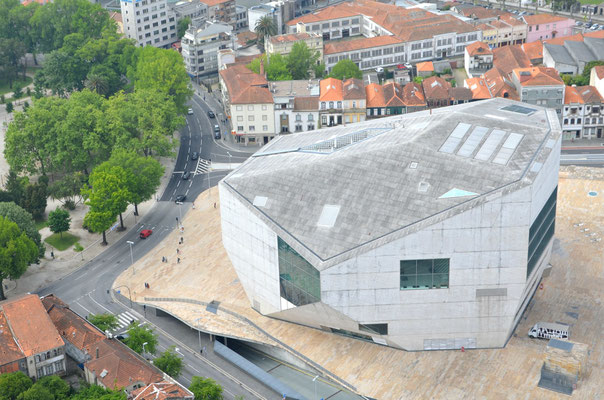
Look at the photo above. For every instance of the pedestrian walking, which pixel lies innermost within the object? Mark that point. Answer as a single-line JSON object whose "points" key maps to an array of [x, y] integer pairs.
{"points": [[214, 205], [178, 260], [52, 254], [177, 251], [204, 349]]}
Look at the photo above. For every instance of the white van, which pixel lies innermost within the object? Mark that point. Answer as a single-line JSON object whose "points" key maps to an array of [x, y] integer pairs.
{"points": [[547, 330]]}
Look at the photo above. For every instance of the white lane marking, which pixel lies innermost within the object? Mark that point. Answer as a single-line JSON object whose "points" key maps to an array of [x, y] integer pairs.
{"points": [[186, 164], [87, 310], [178, 184], [190, 183], [187, 192], [194, 369], [100, 305]]}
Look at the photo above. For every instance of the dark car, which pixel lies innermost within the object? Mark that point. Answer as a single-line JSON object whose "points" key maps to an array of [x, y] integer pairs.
{"points": [[186, 175], [180, 198], [216, 132], [194, 155], [145, 233], [217, 135], [211, 114]]}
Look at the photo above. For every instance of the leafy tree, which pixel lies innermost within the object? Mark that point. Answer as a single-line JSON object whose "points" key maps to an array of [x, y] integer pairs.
{"points": [[67, 188], [35, 199], [162, 70], [16, 186], [17, 91], [107, 197], [301, 60], [36, 392], [98, 83], [319, 70], [276, 69], [205, 388], [182, 26], [12, 384], [56, 386], [265, 26], [95, 392], [17, 251], [137, 335], [169, 362], [143, 174], [59, 221], [62, 73], [24, 221], [12, 51], [105, 322], [345, 69], [9, 107]]}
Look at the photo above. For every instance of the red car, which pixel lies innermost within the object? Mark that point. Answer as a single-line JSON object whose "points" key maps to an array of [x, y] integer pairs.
{"points": [[145, 233]]}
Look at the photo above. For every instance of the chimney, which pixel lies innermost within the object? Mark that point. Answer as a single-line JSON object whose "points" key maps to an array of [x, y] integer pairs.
{"points": [[261, 67]]}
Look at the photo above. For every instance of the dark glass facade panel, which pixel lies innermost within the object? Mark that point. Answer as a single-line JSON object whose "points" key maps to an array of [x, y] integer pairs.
{"points": [[300, 282], [425, 274], [541, 232], [380, 329]]}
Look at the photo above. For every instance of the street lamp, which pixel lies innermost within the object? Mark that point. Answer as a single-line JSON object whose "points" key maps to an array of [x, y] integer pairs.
{"points": [[315, 382], [198, 330], [129, 294], [144, 347], [229, 154], [131, 256]]}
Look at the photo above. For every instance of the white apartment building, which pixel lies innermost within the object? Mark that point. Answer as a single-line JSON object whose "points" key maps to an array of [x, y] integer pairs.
{"points": [[200, 46], [292, 116], [583, 113], [242, 19], [149, 22]]}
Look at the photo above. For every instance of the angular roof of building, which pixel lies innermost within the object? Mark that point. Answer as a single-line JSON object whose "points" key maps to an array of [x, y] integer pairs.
{"points": [[571, 96], [479, 12], [506, 58], [374, 93], [538, 76], [479, 88], [306, 103], [298, 87], [436, 88], [533, 50], [499, 86], [162, 391], [359, 44], [589, 94], [599, 71], [413, 95], [245, 86], [339, 192], [353, 89], [289, 37], [539, 19], [460, 94], [478, 48], [9, 349], [331, 90], [30, 325], [559, 53], [211, 3], [425, 66]]}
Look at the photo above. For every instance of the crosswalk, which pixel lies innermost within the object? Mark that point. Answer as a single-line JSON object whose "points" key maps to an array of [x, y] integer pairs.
{"points": [[124, 319], [202, 167]]}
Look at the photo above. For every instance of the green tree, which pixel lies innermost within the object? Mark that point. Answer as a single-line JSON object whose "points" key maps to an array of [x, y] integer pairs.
{"points": [[56, 386], [265, 27], [16, 186], [182, 26], [59, 221], [169, 362], [97, 83], [62, 73], [319, 70], [12, 51], [67, 188], [345, 69], [301, 60], [276, 69], [35, 199], [17, 251], [9, 107], [137, 335], [205, 388], [36, 392], [107, 198], [95, 392], [17, 91], [105, 322], [143, 174], [12, 384], [162, 70], [24, 221]]}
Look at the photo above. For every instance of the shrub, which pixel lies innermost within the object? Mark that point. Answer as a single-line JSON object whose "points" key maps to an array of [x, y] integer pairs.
{"points": [[78, 247], [69, 205]]}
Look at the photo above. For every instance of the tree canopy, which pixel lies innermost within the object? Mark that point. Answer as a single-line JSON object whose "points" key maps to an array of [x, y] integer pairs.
{"points": [[105, 322], [137, 335], [205, 388], [345, 69], [13, 384], [300, 63], [59, 221], [17, 251], [265, 27], [24, 221], [169, 362]]}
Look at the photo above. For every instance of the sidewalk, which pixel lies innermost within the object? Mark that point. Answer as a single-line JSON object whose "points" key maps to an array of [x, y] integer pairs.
{"points": [[583, 144]]}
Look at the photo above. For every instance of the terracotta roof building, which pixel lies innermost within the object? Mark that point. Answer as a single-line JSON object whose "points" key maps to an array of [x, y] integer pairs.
{"points": [[436, 90], [547, 26], [425, 68], [583, 113], [28, 339], [282, 44], [507, 58], [534, 51], [478, 58], [539, 85], [162, 391], [393, 99], [596, 78]]}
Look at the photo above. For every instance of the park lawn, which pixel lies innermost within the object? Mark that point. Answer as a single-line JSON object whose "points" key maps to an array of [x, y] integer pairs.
{"points": [[590, 1], [4, 88], [41, 224], [61, 243]]}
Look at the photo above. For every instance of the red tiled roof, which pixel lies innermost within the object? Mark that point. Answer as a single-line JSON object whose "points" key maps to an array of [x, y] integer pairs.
{"points": [[479, 88], [341, 10], [353, 89], [426, 66], [498, 85], [506, 58], [478, 48], [599, 71], [289, 37], [537, 76], [375, 96], [481, 12], [539, 19], [358, 44], [245, 86], [30, 325], [578, 37], [244, 37], [460, 93], [393, 94], [306, 103], [9, 349], [589, 94], [436, 88], [162, 391], [413, 95], [533, 50], [331, 90], [571, 95], [511, 19], [211, 3]]}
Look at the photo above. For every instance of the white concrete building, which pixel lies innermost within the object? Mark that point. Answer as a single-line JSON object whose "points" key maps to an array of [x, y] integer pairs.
{"points": [[149, 22], [200, 46], [280, 10], [371, 231], [583, 113], [292, 116]]}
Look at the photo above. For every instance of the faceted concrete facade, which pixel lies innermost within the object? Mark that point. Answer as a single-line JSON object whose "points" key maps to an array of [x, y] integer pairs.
{"points": [[485, 237]]}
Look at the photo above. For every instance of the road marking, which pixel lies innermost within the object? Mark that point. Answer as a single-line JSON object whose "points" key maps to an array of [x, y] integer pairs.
{"points": [[190, 183], [87, 310], [178, 184], [102, 306], [186, 164], [202, 167], [124, 319], [194, 369], [187, 192]]}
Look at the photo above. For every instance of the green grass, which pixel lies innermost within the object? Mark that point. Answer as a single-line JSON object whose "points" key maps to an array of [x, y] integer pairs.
{"points": [[41, 224], [4, 88], [61, 243], [590, 1]]}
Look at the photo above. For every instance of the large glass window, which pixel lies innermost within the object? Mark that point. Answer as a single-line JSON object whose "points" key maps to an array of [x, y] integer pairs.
{"points": [[299, 281], [425, 274], [541, 232]]}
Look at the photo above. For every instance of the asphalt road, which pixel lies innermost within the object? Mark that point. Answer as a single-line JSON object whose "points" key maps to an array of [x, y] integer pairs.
{"points": [[87, 289], [592, 157]]}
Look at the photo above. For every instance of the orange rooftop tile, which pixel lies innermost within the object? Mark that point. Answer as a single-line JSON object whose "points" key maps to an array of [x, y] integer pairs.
{"points": [[478, 48], [331, 90], [426, 66], [358, 44]]}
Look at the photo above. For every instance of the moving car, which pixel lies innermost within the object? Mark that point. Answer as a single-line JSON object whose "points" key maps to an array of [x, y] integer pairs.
{"points": [[190, 112], [194, 155], [548, 330], [180, 198], [186, 175], [216, 132], [145, 233], [211, 114]]}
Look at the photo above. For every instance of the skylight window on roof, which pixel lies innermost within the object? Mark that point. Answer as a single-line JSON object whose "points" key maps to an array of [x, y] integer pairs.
{"points": [[339, 142], [519, 109], [508, 148], [469, 146], [328, 216], [457, 193], [455, 138], [260, 201], [488, 147]]}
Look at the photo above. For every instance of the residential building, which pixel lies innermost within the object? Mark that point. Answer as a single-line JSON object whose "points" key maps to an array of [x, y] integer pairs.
{"points": [[409, 35], [149, 22], [29, 342], [478, 59], [380, 238], [282, 44], [425, 68], [354, 101], [583, 113], [402, 74], [331, 100], [539, 85], [200, 46], [117, 18], [162, 391], [413, 97], [489, 34], [195, 10], [242, 17], [287, 118], [281, 11], [592, 9], [508, 58], [534, 51], [596, 78], [249, 104], [572, 56], [510, 30], [393, 99], [222, 10], [547, 26], [436, 90]]}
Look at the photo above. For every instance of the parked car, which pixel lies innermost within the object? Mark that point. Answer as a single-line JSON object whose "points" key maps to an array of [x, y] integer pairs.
{"points": [[180, 198], [595, 27], [194, 155], [216, 132], [379, 69], [145, 233], [211, 114], [548, 330], [190, 112], [186, 175]]}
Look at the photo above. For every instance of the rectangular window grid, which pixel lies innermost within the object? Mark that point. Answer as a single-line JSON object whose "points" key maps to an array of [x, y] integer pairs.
{"points": [[541, 232], [425, 274], [299, 281]]}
